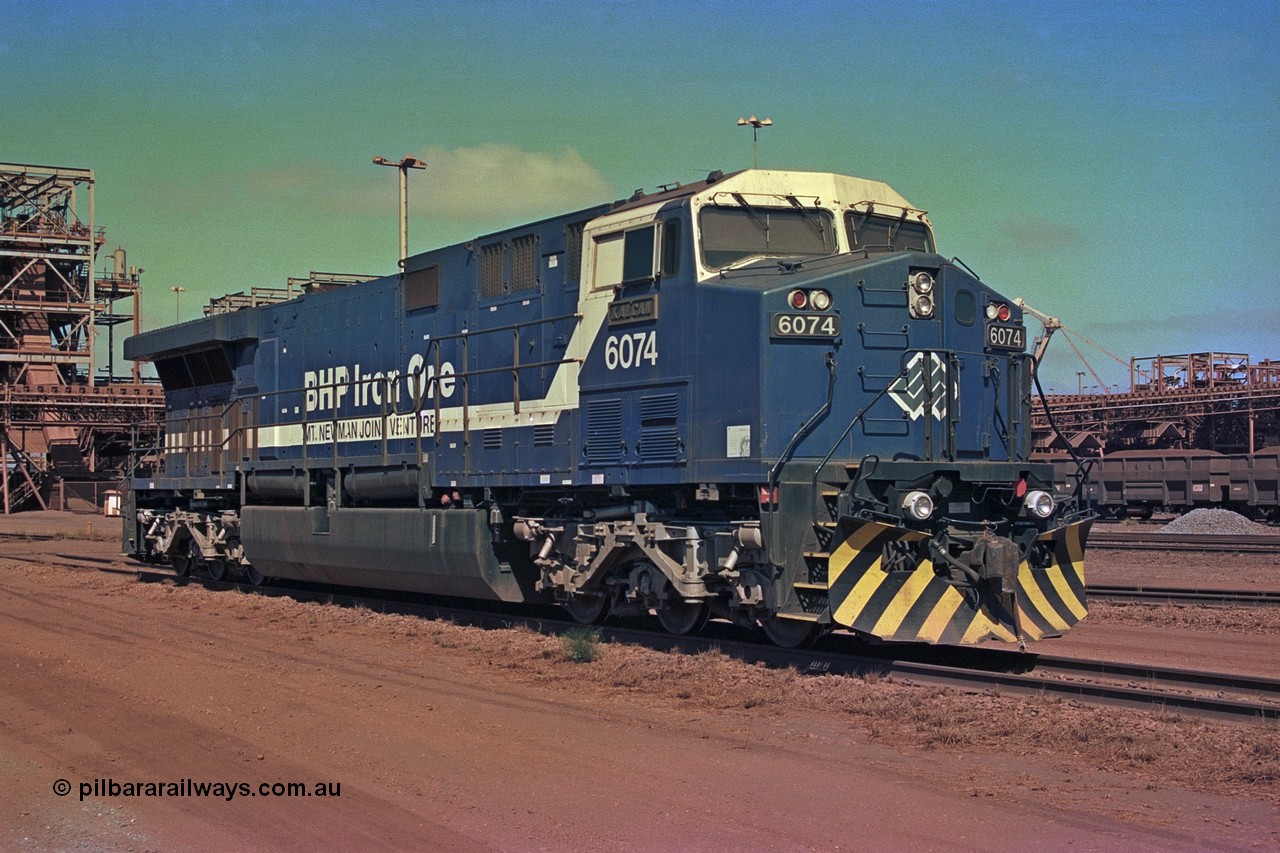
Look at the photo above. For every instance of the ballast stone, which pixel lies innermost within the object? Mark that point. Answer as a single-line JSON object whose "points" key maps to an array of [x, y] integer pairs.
{"points": [[1219, 522]]}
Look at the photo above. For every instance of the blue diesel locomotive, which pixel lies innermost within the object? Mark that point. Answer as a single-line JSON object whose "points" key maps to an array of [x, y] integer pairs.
{"points": [[762, 396]]}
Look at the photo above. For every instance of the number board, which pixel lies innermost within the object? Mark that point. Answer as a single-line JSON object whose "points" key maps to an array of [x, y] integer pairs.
{"points": [[804, 325], [638, 310], [1006, 337]]}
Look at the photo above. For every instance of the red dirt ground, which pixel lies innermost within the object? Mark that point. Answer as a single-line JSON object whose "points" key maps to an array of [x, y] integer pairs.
{"points": [[439, 742]]}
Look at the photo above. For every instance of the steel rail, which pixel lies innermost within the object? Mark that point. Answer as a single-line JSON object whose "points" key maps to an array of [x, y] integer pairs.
{"points": [[1265, 543], [1190, 679], [884, 660], [1174, 595], [28, 537]]}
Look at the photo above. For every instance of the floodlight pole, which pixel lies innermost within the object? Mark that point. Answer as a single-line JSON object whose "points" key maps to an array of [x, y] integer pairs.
{"points": [[406, 163], [177, 301], [756, 124]]}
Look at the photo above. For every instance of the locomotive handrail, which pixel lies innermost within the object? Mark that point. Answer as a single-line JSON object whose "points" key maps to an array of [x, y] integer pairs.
{"points": [[961, 263], [808, 426], [1083, 466], [227, 435], [465, 375], [233, 431], [489, 329], [928, 404], [862, 413], [799, 436]]}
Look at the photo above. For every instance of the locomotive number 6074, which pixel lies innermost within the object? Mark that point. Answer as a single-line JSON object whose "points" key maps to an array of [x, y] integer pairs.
{"points": [[629, 350], [1007, 337], [805, 325]]}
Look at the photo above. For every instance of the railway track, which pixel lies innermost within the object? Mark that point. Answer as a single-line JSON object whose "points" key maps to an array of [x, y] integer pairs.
{"points": [[26, 537], [1096, 592], [1220, 695], [1175, 595], [1263, 543]]}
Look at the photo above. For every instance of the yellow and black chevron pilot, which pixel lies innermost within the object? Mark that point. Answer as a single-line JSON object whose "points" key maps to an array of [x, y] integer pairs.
{"points": [[922, 604]]}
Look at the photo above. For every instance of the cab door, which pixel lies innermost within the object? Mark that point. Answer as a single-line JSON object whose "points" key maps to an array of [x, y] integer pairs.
{"points": [[634, 423]]}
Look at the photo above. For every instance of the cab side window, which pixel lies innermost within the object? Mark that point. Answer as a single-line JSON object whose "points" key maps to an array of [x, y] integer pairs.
{"points": [[671, 234], [637, 255]]}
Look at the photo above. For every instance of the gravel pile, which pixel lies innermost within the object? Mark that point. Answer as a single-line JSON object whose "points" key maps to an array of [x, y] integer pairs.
{"points": [[1222, 522]]}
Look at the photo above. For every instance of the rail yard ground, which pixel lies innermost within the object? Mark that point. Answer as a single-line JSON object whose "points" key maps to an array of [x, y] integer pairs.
{"points": [[448, 737]]}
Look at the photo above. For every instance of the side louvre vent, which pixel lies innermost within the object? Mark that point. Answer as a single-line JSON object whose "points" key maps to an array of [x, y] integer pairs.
{"points": [[491, 283], [493, 439], [573, 253], [604, 432], [544, 435], [524, 263], [659, 436]]}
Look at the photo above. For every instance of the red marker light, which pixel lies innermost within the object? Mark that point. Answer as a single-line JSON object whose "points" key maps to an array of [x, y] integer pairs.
{"points": [[798, 299], [1003, 313], [1021, 488]]}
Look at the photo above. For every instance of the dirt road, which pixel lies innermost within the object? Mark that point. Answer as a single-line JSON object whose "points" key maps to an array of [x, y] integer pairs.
{"points": [[431, 739]]}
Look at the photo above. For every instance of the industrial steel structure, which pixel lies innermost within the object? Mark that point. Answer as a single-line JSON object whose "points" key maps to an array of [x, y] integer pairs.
{"points": [[65, 416], [1209, 401]]}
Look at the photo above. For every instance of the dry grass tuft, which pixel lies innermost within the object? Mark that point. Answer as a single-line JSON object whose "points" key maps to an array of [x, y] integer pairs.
{"points": [[100, 532]]}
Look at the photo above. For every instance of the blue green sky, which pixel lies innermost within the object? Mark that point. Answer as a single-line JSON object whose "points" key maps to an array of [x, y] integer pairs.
{"points": [[1113, 163]]}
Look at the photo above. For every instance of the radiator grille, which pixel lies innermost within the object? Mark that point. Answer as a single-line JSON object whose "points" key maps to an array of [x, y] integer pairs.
{"points": [[659, 436]]}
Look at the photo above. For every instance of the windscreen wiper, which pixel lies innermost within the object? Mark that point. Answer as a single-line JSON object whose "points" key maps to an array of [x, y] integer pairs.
{"points": [[758, 220], [814, 222]]}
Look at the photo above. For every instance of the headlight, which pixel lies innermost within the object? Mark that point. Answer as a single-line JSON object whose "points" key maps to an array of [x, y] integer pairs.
{"points": [[921, 281], [922, 307], [918, 505], [1039, 504]]}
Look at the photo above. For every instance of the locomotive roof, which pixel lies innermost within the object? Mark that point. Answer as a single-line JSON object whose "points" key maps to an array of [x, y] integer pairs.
{"points": [[828, 188], [746, 185], [641, 198]]}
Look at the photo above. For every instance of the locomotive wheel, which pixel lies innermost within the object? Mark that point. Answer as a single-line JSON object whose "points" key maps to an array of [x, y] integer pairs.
{"points": [[217, 569], [790, 633], [195, 558], [684, 617], [253, 576], [587, 609], [181, 564]]}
